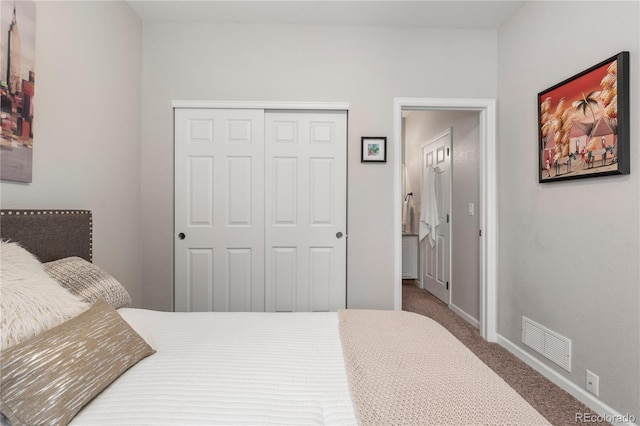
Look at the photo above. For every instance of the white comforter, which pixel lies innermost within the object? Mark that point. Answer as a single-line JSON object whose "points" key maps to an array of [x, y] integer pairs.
{"points": [[229, 368]]}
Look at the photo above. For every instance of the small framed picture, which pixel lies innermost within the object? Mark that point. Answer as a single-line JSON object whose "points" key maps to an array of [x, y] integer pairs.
{"points": [[374, 149]]}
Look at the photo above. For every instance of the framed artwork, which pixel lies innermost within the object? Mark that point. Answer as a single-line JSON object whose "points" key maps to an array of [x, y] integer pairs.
{"points": [[583, 123], [17, 89], [374, 149]]}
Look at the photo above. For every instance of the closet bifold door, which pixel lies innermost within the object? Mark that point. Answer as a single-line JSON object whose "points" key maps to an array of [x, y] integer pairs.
{"points": [[219, 209], [305, 210]]}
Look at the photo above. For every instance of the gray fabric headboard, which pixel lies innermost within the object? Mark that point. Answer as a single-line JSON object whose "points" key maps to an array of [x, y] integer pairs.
{"points": [[49, 234]]}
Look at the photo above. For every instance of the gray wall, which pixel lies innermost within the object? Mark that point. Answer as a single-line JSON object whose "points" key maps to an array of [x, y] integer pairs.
{"points": [[365, 66], [420, 128], [568, 251], [87, 127]]}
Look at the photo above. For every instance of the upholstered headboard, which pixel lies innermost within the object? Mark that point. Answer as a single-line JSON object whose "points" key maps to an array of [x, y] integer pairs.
{"points": [[49, 234]]}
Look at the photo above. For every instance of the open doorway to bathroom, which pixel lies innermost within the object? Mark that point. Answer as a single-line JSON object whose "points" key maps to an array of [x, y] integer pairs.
{"points": [[487, 207], [441, 197]]}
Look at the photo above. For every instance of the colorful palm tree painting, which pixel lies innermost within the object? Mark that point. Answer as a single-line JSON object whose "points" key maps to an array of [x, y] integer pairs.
{"points": [[578, 121]]}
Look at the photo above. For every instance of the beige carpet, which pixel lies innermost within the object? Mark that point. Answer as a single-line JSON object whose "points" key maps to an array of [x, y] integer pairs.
{"points": [[556, 405]]}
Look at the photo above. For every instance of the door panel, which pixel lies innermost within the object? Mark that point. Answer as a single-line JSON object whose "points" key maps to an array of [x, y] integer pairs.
{"points": [[321, 272], [239, 191], [200, 279], [285, 183], [435, 261], [284, 277], [200, 196], [239, 285], [305, 206], [219, 199], [322, 189]]}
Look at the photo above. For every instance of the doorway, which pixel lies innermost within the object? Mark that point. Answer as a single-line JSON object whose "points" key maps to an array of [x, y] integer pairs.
{"points": [[487, 211]]}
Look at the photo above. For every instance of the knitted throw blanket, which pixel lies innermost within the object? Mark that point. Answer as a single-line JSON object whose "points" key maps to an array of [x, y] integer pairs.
{"points": [[405, 368]]}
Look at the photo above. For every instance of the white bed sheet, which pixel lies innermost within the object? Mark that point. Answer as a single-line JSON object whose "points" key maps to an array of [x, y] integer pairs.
{"points": [[229, 368]]}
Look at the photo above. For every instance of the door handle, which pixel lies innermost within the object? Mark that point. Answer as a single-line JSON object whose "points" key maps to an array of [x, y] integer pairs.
{"points": [[181, 235], [339, 235]]}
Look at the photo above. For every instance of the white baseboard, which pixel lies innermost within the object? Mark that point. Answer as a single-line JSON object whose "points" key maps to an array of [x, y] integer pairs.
{"points": [[608, 413], [465, 316]]}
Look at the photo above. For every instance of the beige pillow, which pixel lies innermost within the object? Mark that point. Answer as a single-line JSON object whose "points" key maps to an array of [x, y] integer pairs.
{"points": [[88, 281], [48, 379], [31, 301]]}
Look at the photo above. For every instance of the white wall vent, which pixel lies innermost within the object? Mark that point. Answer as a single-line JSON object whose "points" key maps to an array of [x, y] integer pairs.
{"points": [[548, 343]]}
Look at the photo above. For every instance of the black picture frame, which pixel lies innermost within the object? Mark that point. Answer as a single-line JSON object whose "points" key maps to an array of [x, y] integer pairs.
{"points": [[373, 149], [584, 123]]}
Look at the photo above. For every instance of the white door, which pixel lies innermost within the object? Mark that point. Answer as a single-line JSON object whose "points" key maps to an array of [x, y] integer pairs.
{"points": [[435, 262], [305, 210], [219, 203]]}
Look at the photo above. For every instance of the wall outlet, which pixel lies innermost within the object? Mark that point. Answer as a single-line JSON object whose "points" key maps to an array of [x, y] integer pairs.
{"points": [[592, 382]]}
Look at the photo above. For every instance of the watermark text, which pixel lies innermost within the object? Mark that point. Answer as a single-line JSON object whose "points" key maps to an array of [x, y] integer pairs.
{"points": [[601, 418]]}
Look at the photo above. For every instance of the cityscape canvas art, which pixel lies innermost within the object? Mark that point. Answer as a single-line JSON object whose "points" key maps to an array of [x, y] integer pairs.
{"points": [[17, 89]]}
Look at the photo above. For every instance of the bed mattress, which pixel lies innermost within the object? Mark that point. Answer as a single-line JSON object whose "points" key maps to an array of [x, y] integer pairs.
{"points": [[230, 368]]}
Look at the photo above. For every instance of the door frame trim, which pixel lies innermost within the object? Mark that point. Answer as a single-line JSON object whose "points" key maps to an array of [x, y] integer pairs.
{"points": [[488, 199], [266, 105]]}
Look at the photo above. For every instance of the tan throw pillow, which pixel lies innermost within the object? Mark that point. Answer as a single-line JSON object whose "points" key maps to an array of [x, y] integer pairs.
{"points": [[31, 301], [88, 281], [48, 379]]}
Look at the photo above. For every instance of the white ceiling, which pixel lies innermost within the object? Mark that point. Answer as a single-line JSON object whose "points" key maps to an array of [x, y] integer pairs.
{"points": [[476, 14]]}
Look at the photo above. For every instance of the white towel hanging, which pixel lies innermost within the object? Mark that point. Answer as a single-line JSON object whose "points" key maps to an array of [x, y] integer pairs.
{"points": [[428, 207], [407, 212]]}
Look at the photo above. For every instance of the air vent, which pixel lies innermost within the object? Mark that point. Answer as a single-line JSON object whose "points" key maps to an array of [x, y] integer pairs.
{"points": [[550, 344]]}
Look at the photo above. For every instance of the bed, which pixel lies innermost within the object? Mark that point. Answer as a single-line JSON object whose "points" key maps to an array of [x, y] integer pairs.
{"points": [[348, 367]]}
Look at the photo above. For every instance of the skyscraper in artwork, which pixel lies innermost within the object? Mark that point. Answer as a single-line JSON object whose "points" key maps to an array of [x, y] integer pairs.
{"points": [[13, 56]]}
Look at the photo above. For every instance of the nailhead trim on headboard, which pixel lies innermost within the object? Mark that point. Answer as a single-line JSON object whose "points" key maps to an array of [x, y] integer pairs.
{"points": [[27, 212]]}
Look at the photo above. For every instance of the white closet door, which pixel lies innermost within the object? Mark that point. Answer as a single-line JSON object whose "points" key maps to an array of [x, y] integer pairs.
{"points": [[219, 202], [305, 210]]}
